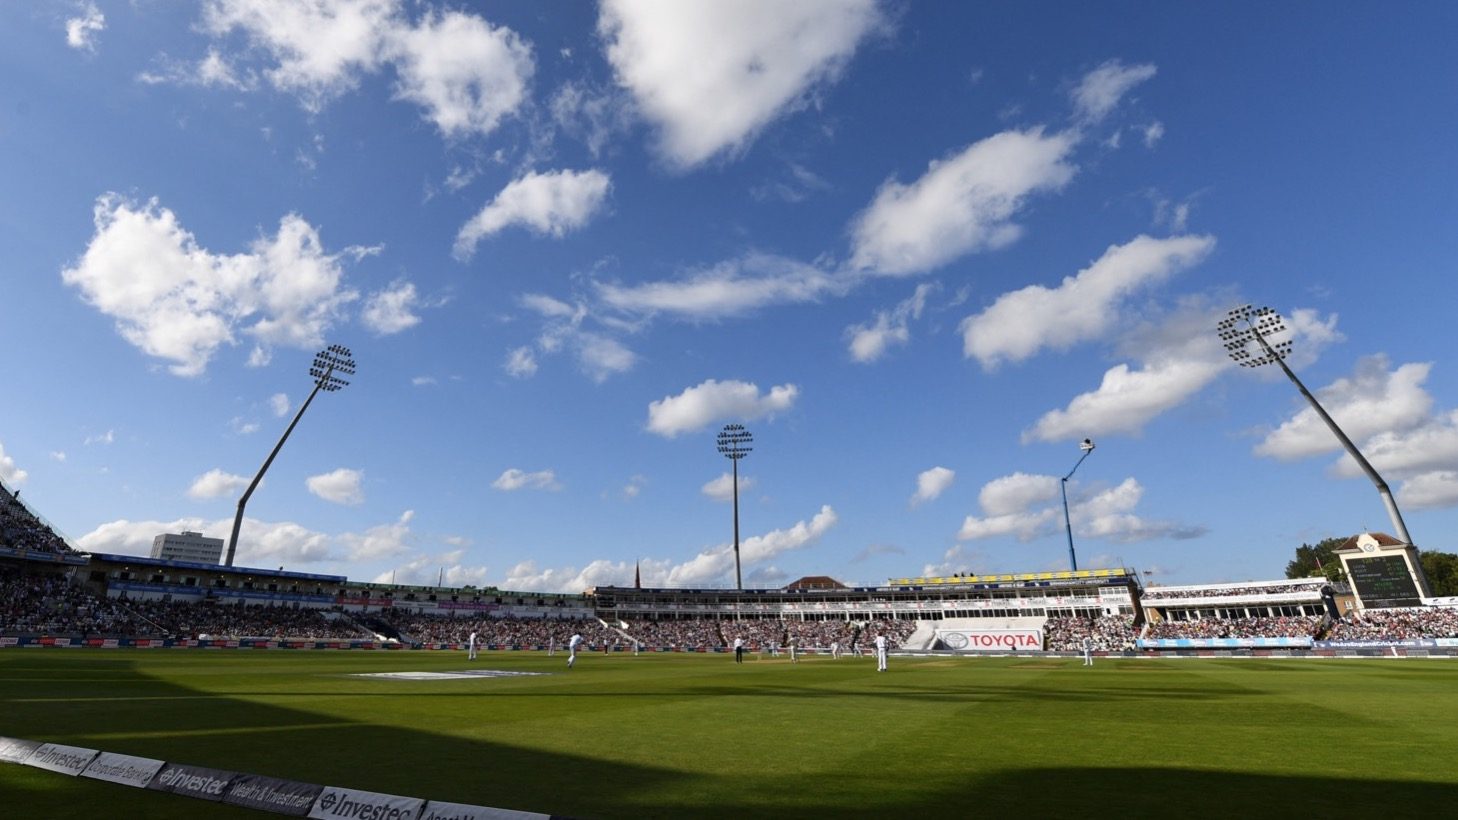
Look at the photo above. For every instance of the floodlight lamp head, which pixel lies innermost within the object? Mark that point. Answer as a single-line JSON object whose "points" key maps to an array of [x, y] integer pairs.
{"points": [[1086, 445]]}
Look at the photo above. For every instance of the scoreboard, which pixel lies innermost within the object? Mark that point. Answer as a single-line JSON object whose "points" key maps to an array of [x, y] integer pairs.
{"points": [[1383, 581]]}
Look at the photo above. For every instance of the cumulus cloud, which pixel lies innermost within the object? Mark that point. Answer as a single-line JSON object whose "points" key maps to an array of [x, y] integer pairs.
{"points": [[341, 486], [713, 566], [260, 543], [279, 403], [431, 568], [391, 310], [1388, 413], [717, 563], [382, 541], [1176, 357], [215, 483], [731, 288], [81, 30], [1372, 400], [514, 479], [1021, 506], [1430, 490], [962, 204], [932, 483], [1085, 306], [711, 75], [466, 73], [598, 355], [1101, 89], [318, 48], [11, 474], [180, 302], [697, 407], [548, 204], [521, 363], [868, 342], [722, 488]]}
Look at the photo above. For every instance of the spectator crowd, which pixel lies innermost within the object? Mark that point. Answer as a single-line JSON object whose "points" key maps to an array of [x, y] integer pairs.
{"points": [[1312, 586]]}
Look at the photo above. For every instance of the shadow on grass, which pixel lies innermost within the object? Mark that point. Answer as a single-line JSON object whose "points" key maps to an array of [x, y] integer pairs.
{"points": [[162, 719]]}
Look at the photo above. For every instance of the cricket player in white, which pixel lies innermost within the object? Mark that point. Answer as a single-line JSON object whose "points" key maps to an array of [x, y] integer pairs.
{"points": [[471, 646], [1087, 651], [880, 653], [835, 649], [572, 648]]}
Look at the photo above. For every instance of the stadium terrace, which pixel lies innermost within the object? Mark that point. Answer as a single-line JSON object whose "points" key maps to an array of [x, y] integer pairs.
{"points": [[54, 595]]}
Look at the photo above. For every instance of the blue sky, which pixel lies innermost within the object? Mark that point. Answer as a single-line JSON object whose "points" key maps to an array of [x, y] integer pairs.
{"points": [[920, 250]]}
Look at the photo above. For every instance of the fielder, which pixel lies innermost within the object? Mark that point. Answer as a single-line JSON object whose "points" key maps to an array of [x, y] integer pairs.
{"points": [[880, 653], [471, 646], [572, 644], [1087, 651]]}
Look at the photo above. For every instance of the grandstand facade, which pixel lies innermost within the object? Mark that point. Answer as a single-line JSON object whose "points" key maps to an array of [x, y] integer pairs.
{"points": [[52, 592]]}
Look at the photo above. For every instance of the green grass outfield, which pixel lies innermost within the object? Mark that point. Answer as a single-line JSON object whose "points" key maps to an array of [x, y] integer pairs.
{"points": [[696, 736]]}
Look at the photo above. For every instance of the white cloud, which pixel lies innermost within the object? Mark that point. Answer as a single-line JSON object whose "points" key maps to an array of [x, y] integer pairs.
{"points": [[634, 487], [1176, 358], [391, 310], [1014, 505], [597, 355], [590, 115], [601, 356], [869, 342], [1370, 402], [213, 71], [319, 48], [341, 486], [430, 569], [279, 404], [932, 483], [242, 426], [177, 301], [731, 288], [963, 203], [58, 455], [260, 543], [698, 407], [215, 483], [1153, 133], [9, 472], [1408, 453], [549, 204], [711, 75], [521, 363], [466, 73], [103, 438], [1430, 490], [81, 31], [423, 381], [713, 566], [525, 575], [514, 479], [1101, 89], [1126, 399], [1084, 306], [382, 541], [717, 563], [722, 488]]}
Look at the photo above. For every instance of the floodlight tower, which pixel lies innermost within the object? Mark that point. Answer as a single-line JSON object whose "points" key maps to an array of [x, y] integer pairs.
{"points": [[1087, 446], [329, 362], [734, 443], [1245, 325]]}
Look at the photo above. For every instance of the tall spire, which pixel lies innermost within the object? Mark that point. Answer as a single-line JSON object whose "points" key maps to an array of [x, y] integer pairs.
{"points": [[638, 575]]}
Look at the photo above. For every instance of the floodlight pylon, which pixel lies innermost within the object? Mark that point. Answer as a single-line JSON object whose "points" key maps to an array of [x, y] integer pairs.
{"points": [[733, 444]]}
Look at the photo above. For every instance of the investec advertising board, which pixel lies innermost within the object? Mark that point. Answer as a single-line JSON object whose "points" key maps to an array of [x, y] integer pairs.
{"points": [[992, 640]]}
